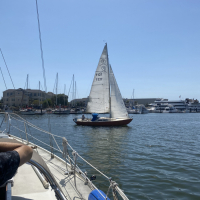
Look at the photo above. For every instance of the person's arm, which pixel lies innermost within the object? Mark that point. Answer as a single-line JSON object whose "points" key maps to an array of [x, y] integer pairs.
{"points": [[25, 152], [8, 146]]}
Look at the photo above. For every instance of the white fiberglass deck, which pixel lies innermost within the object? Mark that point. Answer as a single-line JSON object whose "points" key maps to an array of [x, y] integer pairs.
{"points": [[28, 186]]}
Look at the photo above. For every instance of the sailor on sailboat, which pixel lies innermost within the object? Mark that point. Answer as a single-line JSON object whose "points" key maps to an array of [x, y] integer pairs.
{"points": [[105, 97]]}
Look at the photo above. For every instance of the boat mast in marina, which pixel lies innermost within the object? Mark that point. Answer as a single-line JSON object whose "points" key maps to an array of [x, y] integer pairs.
{"points": [[64, 93], [27, 82], [56, 88], [40, 94]]}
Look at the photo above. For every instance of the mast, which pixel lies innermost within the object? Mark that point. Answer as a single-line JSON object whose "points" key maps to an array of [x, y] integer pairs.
{"points": [[64, 94], [27, 82], [26, 89], [73, 92], [109, 81], [56, 87], [133, 98], [109, 89], [40, 94]]}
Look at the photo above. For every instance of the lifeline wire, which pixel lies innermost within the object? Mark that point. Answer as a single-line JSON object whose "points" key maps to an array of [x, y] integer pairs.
{"points": [[37, 128]]}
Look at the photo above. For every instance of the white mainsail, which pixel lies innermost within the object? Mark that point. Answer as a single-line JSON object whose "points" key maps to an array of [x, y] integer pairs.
{"points": [[99, 95], [118, 109]]}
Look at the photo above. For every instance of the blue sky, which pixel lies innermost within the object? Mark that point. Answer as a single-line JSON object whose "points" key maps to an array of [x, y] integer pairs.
{"points": [[154, 46]]}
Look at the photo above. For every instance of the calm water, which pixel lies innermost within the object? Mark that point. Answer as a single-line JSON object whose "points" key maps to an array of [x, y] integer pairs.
{"points": [[157, 156]]}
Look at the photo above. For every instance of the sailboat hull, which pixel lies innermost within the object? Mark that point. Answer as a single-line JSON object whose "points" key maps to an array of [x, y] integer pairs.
{"points": [[117, 122]]}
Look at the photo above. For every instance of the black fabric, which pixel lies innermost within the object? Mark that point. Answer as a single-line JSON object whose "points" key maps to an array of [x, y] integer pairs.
{"points": [[35, 157], [9, 162]]}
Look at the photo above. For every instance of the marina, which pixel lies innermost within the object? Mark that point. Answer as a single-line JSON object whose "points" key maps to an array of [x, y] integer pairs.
{"points": [[156, 157], [90, 140]]}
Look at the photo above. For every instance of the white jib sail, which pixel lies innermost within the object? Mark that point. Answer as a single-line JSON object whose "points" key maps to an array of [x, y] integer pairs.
{"points": [[118, 109], [99, 94]]}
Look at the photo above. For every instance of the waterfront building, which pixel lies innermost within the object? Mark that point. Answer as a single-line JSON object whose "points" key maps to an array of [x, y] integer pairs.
{"points": [[144, 101], [79, 102], [19, 97], [181, 105], [83, 101]]}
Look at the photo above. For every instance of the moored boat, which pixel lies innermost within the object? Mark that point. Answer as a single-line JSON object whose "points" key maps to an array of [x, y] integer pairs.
{"points": [[61, 111], [40, 112], [105, 97], [27, 111], [102, 121]]}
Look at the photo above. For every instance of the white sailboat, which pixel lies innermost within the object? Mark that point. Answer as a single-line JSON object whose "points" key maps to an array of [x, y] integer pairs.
{"points": [[105, 97]]}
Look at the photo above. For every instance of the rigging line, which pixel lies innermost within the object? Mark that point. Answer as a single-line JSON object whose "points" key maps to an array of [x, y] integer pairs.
{"points": [[3, 78], [25, 84], [41, 47], [33, 126], [69, 89], [7, 68], [54, 87]]}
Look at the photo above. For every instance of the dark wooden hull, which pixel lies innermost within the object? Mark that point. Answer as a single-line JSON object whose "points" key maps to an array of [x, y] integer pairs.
{"points": [[104, 123]]}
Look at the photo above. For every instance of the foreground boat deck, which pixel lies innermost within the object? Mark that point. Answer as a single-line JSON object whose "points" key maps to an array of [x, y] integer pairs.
{"points": [[66, 182], [28, 186]]}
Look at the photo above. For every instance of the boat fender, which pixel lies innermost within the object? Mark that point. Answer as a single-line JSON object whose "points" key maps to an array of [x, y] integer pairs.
{"points": [[97, 195]]}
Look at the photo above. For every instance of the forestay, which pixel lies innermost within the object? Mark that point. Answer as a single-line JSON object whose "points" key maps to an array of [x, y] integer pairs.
{"points": [[99, 94], [118, 109]]}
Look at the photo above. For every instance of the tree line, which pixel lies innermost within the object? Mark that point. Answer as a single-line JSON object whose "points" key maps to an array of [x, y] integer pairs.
{"points": [[62, 100]]}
